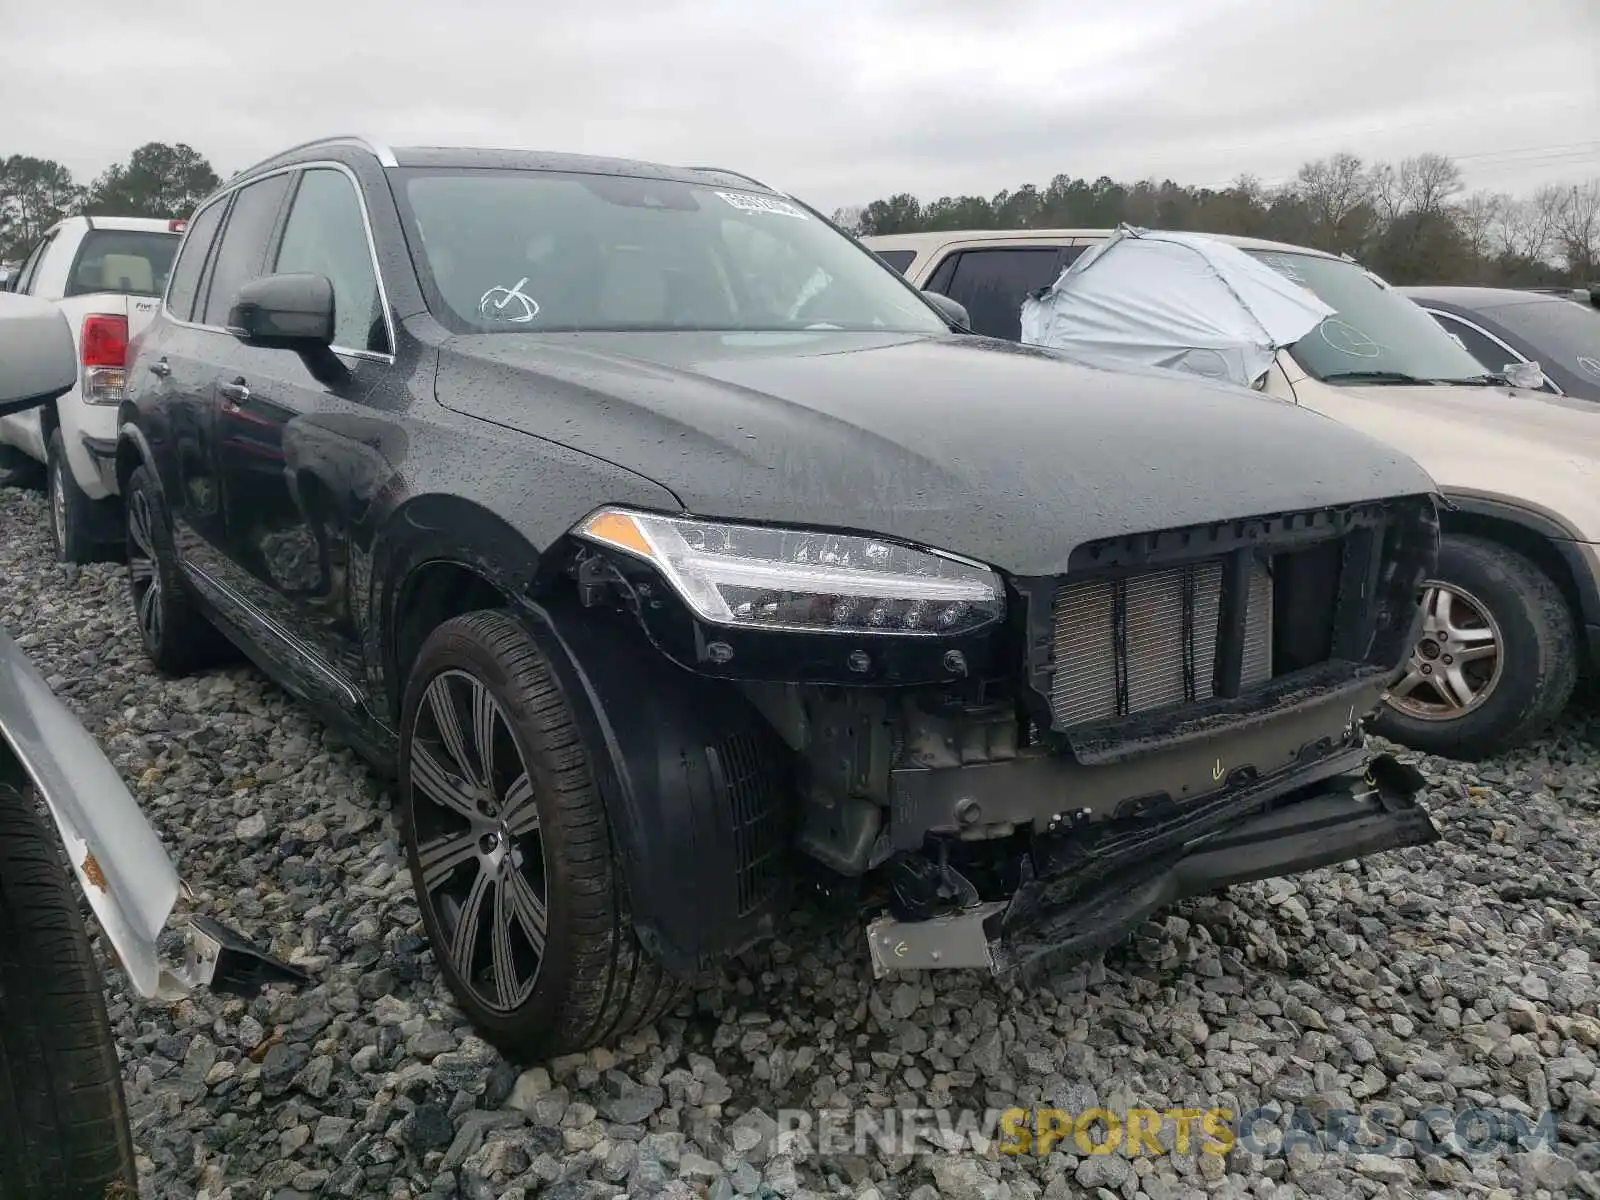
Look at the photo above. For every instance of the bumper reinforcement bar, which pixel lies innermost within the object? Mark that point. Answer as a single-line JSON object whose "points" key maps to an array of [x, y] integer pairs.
{"points": [[1050, 923]]}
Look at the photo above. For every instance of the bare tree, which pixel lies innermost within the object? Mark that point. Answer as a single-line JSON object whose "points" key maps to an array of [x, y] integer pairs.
{"points": [[1429, 180], [1334, 190], [1477, 215], [1576, 227], [849, 218]]}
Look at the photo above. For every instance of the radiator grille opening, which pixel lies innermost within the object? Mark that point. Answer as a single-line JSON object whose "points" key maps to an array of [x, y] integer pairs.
{"points": [[1148, 641]]}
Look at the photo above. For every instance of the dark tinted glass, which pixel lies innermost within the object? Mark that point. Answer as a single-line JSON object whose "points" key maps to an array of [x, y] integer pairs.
{"points": [[1489, 352], [991, 285], [186, 273], [244, 245], [898, 259], [1562, 332]]}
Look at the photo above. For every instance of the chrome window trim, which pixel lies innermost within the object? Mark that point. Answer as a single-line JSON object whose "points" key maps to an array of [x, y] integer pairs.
{"points": [[1516, 355], [243, 181]]}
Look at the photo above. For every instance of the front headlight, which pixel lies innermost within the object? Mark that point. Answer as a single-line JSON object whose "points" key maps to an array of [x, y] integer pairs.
{"points": [[761, 577]]}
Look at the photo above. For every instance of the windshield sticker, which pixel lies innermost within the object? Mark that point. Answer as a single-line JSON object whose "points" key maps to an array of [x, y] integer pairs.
{"points": [[745, 202], [1347, 339], [1591, 365], [508, 304]]}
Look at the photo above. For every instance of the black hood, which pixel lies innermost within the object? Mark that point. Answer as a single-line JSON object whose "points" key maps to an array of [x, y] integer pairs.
{"points": [[1000, 452]]}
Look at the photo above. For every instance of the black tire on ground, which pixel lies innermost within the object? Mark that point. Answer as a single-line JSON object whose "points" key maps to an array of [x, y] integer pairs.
{"points": [[63, 1117], [1538, 651], [80, 528], [19, 470], [177, 637], [594, 981]]}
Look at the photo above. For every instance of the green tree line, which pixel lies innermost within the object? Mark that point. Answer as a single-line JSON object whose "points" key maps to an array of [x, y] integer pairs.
{"points": [[156, 180], [1411, 222]]}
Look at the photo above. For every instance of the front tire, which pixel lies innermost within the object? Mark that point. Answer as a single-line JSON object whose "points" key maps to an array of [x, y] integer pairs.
{"points": [[176, 637], [63, 1117], [510, 848], [1497, 661]]}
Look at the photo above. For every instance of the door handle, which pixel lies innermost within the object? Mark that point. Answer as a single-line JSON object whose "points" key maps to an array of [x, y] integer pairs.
{"points": [[160, 368], [234, 393]]}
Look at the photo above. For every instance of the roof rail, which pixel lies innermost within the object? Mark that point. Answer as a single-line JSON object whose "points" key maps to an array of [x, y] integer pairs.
{"points": [[377, 149], [741, 175]]}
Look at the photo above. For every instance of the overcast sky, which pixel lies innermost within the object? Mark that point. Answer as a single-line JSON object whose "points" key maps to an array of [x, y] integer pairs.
{"points": [[840, 101]]}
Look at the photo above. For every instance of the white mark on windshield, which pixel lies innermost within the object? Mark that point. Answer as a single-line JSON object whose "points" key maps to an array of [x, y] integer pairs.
{"points": [[1347, 339], [508, 304]]}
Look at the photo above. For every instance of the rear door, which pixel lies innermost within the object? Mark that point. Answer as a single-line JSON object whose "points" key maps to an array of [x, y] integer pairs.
{"points": [[991, 282], [190, 353]]}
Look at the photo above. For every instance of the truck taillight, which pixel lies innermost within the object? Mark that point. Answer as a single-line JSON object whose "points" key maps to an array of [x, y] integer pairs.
{"points": [[177, 226], [104, 356]]}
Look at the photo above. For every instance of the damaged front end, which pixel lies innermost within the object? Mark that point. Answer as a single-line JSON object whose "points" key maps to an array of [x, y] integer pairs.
{"points": [[125, 873], [1175, 712]]}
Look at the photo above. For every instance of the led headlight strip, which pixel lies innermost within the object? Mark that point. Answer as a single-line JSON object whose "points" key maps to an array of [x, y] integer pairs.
{"points": [[762, 577]]}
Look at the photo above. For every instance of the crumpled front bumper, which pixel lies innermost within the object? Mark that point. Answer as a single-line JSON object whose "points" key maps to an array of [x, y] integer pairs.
{"points": [[1052, 921], [129, 881]]}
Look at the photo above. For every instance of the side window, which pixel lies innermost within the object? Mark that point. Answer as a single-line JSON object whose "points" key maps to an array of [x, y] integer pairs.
{"points": [[31, 267], [1487, 351], [992, 283], [244, 245], [325, 235], [185, 281], [898, 259]]}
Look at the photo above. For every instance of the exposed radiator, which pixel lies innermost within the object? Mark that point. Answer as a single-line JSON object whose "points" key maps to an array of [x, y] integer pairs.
{"points": [[1143, 642]]}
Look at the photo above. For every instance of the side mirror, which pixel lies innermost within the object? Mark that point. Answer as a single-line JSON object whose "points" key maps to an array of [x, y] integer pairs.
{"points": [[952, 311], [1524, 375], [285, 312], [37, 359]]}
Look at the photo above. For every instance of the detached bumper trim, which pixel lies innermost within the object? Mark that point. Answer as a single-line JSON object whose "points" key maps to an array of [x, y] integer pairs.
{"points": [[1050, 923]]}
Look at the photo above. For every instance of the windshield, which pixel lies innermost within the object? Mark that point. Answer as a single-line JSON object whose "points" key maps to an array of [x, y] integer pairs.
{"points": [[1374, 332], [1561, 332], [541, 251], [132, 262]]}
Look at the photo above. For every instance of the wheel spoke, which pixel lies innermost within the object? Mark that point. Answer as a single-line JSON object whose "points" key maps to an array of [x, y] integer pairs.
{"points": [[1414, 678], [150, 612], [528, 909], [1453, 686], [448, 721], [1478, 652], [442, 786], [519, 811], [139, 525], [485, 719], [440, 857], [141, 569], [1475, 636], [506, 984], [1443, 601], [464, 941]]}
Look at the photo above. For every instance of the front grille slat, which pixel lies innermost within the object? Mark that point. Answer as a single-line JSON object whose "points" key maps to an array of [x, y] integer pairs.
{"points": [[1148, 641]]}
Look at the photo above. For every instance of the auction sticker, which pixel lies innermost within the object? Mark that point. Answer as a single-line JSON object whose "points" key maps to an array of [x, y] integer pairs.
{"points": [[746, 202]]}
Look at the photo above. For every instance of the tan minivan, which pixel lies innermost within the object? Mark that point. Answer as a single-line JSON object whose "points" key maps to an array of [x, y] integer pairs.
{"points": [[1513, 617]]}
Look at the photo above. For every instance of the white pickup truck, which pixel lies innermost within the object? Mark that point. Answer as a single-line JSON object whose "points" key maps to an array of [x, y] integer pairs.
{"points": [[107, 275]]}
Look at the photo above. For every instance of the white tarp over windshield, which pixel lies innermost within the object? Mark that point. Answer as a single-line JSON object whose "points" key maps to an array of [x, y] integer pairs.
{"points": [[1177, 300]]}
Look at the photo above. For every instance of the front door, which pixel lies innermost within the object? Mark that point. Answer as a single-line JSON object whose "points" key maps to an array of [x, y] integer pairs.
{"points": [[302, 452]]}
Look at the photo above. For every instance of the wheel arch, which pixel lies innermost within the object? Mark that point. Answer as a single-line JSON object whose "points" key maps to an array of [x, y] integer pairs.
{"points": [[687, 770], [1540, 539]]}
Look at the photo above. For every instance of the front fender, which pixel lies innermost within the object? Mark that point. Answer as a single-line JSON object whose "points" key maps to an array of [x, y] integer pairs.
{"points": [[125, 873]]}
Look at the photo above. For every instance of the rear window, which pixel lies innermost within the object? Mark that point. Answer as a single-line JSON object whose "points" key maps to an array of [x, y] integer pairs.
{"points": [[130, 262]]}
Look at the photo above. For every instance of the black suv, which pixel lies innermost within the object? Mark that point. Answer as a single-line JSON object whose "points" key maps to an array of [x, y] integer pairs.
{"points": [[673, 553]]}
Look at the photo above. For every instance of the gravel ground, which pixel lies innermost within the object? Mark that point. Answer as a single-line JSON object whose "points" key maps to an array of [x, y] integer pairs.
{"points": [[1458, 977]]}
